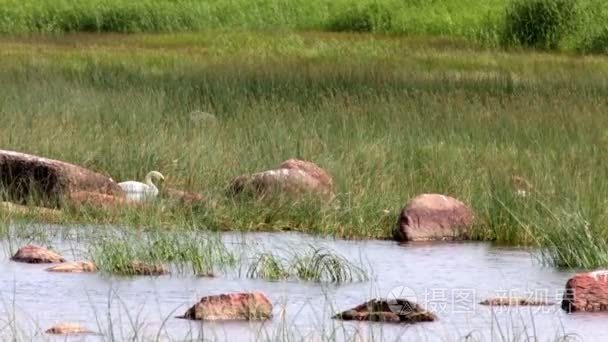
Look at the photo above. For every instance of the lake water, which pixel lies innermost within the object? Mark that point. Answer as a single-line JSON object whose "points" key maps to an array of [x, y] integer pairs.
{"points": [[447, 278]]}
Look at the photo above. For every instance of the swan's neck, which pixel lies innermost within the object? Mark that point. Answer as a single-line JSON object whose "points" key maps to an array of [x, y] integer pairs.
{"points": [[148, 181]]}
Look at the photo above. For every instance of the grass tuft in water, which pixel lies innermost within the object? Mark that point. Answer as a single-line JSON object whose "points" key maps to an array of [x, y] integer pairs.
{"points": [[203, 254], [323, 265], [267, 266], [316, 264]]}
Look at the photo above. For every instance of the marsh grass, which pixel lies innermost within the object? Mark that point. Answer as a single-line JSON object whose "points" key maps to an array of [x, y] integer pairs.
{"points": [[316, 264], [268, 267], [388, 117], [321, 264], [203, 254], [574, 242], [537, 23]]}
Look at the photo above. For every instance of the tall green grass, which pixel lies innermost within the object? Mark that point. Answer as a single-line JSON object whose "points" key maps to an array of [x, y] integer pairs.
{"points": [[461, 17], [388, 117], [316, 264], [117, 253], [516, 22]]}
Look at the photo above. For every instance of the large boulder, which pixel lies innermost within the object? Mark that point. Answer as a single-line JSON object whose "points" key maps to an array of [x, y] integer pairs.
{"points": [[586, 292], [68, 329], [388, 310], [292, 177], [74, 267], [431, 217], [36, 255], [233, 306], [23, 176]]}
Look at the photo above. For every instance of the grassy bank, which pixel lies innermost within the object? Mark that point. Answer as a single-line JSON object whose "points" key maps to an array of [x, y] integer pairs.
{"points": [[581, 27], [388, 117]]}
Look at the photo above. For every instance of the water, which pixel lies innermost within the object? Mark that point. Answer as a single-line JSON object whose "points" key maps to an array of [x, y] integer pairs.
{"points": [[448, 278]]}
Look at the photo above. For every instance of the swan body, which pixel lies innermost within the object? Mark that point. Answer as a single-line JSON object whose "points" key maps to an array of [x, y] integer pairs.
{"points": [[137, 191]]}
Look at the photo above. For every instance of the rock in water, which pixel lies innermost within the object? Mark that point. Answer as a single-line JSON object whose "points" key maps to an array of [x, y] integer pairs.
{"points": [[293, 177], [514, 301], [36, 255], [431, 217], [147, 269], [586, 292], [23, 176], [68, 329], [74, 267], [233, 306], [388, 310]]}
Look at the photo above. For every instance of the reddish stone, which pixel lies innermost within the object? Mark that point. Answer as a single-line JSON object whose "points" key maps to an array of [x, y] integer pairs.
{"points": [[586, 292], [142, 268], [390, 311], [68, 329], [434, 217], [74, 267], [233, 306], [36, 255], [293, 177]]}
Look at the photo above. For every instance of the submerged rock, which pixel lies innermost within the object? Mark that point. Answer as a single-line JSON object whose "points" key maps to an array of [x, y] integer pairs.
{"points": [[68, 329], [514, 301], [293, 177], [586, 292], [23, 176], [431, 217], [233, 306], [74, 267], [390, 311], [142, 268], [36, 255]]}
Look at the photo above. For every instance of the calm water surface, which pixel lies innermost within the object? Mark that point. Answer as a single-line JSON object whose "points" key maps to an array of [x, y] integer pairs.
{"points": [[448, 278]]}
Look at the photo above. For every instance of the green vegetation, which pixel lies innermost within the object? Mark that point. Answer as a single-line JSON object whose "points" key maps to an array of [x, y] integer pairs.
{"points": [[267, 266], [568, 24], [117, 253], [312, 264], [388, 117], [539, 23]]}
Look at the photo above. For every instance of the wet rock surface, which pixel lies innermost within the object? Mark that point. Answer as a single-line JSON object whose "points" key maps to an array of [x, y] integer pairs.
{"points": [[390, 311], [514, 301], [233, 306], [33, 254], [146, 269], [74, 267], [430, 217], [586, 292], [68, 329]]}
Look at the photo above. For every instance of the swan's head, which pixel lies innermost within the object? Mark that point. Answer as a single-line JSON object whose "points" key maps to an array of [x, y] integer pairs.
{"points": [[156, 175]]}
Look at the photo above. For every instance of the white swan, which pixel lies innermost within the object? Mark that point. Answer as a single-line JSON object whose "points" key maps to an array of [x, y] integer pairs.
{"points": [[137, 191]]}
